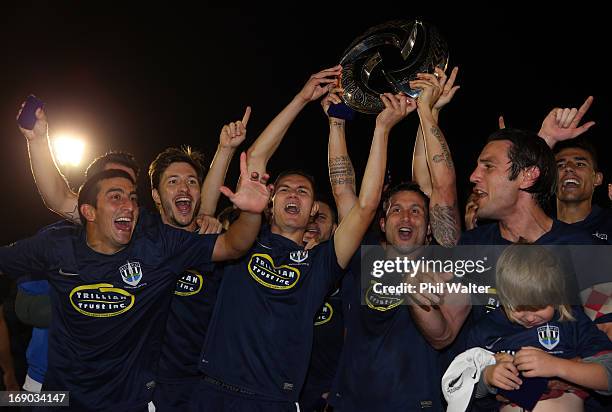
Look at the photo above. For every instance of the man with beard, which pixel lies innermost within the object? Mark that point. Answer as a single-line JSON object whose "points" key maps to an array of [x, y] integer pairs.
{"points": [[111, 287], [177, 187], [389, 361]]}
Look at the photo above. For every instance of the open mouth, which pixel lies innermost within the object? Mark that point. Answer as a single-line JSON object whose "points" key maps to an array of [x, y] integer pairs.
{"points": [[292, 208], [123, 224], [405, 233], [183, 204], [570, 183]]}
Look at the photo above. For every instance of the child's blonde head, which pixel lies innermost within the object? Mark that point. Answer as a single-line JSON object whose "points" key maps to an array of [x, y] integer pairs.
{"points": [[530, 278]]}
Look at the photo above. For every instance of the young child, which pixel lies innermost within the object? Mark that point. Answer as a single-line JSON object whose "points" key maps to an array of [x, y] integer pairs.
{"points": [[536, 333]]}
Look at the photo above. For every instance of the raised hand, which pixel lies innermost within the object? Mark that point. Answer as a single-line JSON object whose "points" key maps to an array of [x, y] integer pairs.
{"points": [[331, 98], [40, 127], [319, 83], [252, 195], [233, 134], [430, 89], [448, 87], [397, 107], [534, 362], [562, 124]]}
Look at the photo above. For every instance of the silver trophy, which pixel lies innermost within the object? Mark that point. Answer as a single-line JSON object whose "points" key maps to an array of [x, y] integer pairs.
{"points": [[386, 58]]}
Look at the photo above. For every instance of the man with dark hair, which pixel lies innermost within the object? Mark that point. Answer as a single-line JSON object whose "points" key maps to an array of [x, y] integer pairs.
{"points": [[389, 361], [111, 286], [259, 341], [328, 334], [114, 160]]}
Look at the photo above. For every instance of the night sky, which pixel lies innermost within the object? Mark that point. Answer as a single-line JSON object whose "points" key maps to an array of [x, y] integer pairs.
{"points": [[141, 78]]}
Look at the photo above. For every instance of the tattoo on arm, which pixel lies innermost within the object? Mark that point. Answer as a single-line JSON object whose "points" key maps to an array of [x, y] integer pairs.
{"points": [[444, 224], [73, 215], [446, 156], [338, 123], [341, 171]]}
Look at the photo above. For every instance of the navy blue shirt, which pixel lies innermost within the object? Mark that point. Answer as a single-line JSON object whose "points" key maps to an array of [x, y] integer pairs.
{"points": [[386, 363], [105, 333], [326, 347], [598, 223], [564, 339], [260, 335], [192, 306]]}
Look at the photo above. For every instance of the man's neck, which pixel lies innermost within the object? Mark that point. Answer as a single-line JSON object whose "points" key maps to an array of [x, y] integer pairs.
{"points": [[293, 234], [525, 224], [98, 245], [572, 212]]}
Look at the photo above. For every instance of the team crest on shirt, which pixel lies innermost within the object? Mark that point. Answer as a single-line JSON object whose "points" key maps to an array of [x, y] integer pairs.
{"points": [[131, 273], [324, 315], [381, 301], [549, 336], [101, 300], [190, 283], [298, 256], [262, 268]]}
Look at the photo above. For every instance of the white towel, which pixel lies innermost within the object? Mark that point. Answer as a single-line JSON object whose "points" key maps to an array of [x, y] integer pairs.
{"points": [[461, 376]]}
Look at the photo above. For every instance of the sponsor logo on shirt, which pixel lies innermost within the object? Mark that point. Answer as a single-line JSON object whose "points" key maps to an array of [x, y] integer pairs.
{"points": [[190, 283], [602, 236], [549, 336], [265, 272], [381, 302], [131, 273], [101, 300], [325, 314], [298, 256]]}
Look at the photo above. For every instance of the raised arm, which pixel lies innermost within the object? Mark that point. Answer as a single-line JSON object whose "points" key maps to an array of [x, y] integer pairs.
{"points": [[251, 198], [562, 124], [268, 141], [51, 184], [341, 171], [420, 168], [232, 135], [443, 209], [351, 230]]}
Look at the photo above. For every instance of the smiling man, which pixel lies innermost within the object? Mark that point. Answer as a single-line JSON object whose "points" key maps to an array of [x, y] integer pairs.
{"points": [[111, 287]]}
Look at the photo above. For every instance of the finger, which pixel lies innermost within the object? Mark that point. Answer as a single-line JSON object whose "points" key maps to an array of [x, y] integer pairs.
{"points": [[428, 77], [441, 76], [243, 165], [337, 90], [264, 179], [452, 92], [385, 101], [247, 116], [558, 113], [421, 83], [227, 192], [232, 128], [564, 115], [451, 80], [582, 111], [225, 130], [393, 101], [501, 122], [583, 128], [571, 114]]}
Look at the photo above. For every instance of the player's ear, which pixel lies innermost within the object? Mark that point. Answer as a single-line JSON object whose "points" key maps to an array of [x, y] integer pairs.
{"points": [[88, 211]]}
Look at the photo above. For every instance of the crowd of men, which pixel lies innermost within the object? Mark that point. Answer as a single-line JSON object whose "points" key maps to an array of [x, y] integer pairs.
{"points": [[266, 307]]}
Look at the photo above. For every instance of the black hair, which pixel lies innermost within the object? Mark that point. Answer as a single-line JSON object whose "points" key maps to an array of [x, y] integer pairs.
{"points": [[88, 193], [530, 150], [123, 158]]}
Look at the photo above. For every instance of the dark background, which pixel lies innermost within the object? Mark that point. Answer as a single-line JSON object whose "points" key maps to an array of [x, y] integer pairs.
{"points": [[140, 78]]}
